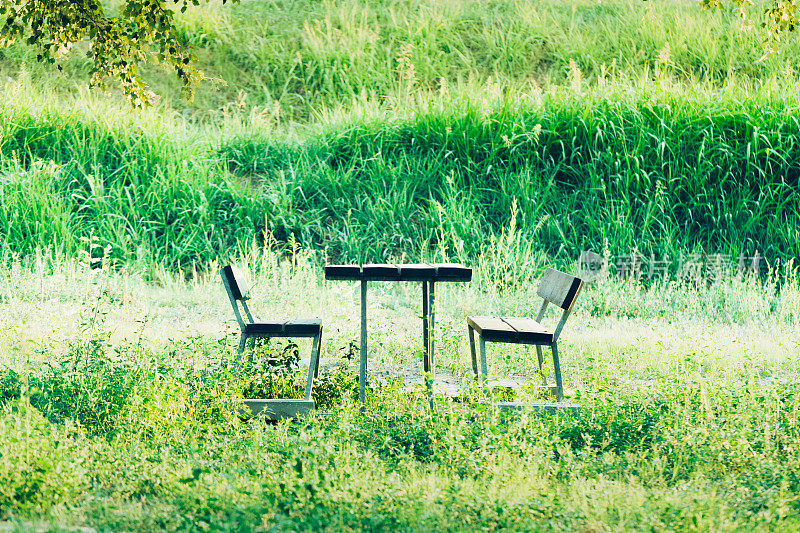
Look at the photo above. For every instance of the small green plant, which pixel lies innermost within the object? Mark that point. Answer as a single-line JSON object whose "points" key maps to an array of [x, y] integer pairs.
{"points": [[337, 387], [10, 385], [271, 370], [87, 385], [399, 436]]}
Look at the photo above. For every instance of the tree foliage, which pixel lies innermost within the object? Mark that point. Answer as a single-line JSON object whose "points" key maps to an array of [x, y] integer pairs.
{"points": [[137, 31], [780, 16]]}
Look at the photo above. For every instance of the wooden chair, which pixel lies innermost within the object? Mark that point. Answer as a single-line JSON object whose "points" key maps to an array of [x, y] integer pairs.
{"points": [[239, 292], [557, 288]]}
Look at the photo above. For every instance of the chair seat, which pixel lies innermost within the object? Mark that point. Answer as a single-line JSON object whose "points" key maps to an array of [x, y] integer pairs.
{"points": [[287, 328], [510, 329]]}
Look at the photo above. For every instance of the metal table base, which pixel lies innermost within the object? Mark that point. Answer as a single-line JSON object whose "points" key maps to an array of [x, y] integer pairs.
{"points": [[428, 275]]}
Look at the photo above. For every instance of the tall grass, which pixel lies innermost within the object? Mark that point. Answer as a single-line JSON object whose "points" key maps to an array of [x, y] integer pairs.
{"points": [[141, 185], [648, 128], [627, 169]]}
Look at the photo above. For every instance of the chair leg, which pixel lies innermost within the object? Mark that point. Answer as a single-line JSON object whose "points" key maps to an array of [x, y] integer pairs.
{"points": [[472, 352], [541, 362], [484, 371], [557, 371], [312, 365], [242, 342], [319, 354]]}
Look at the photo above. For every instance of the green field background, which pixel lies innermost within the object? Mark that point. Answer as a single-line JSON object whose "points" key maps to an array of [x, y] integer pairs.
{"points": [[376, 131]]}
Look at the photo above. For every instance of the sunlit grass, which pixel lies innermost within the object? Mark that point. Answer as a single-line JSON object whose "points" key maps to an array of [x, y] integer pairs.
{"points": [[625, 170], [689, 416], [291, 60], [507, 136], [720, 328]]}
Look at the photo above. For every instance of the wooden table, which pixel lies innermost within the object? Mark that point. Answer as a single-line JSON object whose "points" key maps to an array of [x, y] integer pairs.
{"points": [[428, 274]]}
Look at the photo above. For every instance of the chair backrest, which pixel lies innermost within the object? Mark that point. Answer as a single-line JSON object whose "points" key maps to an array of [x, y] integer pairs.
{"points": [[238, 292], [235, 283], [559, 288]]}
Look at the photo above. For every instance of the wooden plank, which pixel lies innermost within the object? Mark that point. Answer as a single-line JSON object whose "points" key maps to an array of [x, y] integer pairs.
{"points": [[401, 272], [342, 272], [264, 328], [416, 272], [529, 330], [362, 369], [380, 272], [425, 325], [492, 328], [302, 327], [472, 352], [432, 327], [240, 289], [484, 369], [452, 272], [277, 409], [313, 365], [557, 372], [559, 288]]}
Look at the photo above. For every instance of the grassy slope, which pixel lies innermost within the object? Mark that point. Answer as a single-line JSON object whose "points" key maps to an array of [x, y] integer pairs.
{"points": [[642, 152], [663, 149], [297, 57]]}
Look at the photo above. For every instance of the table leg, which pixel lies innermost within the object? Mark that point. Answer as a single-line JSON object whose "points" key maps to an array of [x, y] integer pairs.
{"points": [[362, 376], [425, 319], [432, 326], [429, 345]]}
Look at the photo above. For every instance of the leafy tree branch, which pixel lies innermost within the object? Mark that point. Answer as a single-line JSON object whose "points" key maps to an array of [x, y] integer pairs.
{"points": [[142, 31]]}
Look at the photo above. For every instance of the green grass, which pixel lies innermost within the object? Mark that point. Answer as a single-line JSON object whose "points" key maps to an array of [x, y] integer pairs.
{"points": [[625, 169], [336, 127], [285, 61], [509, 136], [127, 417]]}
